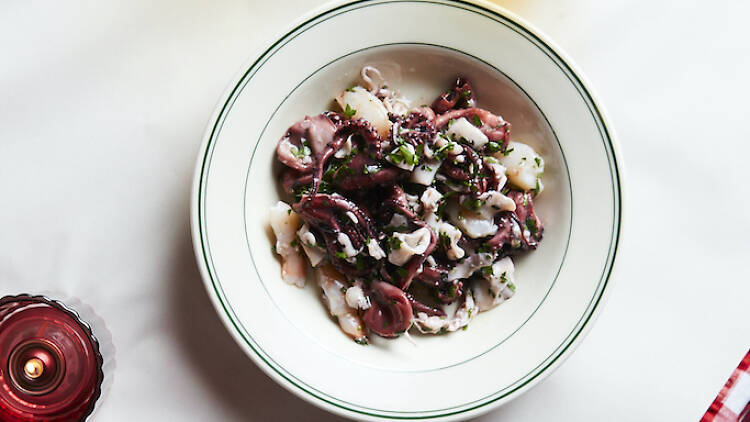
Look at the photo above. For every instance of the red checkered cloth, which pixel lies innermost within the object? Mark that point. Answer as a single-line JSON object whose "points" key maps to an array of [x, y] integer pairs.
{"points": [[733, 402]]}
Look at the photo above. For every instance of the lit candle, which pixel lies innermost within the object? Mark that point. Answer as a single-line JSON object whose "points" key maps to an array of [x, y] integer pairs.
{"points": [[34, 368], [54, 367]]}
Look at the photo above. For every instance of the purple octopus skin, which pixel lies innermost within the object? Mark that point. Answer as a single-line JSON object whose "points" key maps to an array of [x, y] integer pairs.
{"points": [[480, 181], [399, 203], [416, 128], [363, 128], [324, 213], [494, 127], [292, 179], [437, 279], [510, 233], [317, 130], [390, 312], [527, 218], [426, 112], [459, 96], [352, 176], [418, 306]]}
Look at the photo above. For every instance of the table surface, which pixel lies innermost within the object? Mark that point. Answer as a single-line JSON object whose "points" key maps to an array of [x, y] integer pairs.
{"points": [[102, 111]]}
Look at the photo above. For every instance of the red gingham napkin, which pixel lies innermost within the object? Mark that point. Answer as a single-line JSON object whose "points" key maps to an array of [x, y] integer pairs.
{"points": [[733, 402]]}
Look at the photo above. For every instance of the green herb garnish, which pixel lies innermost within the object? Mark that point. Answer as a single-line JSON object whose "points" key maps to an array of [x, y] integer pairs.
{"points": [[477, 121], [472, 204], [537, 188], [301, 152], [444, 240], [484, 248], [531, 225], [349, 112], [419, 150], [492, 146], [409, 156]]}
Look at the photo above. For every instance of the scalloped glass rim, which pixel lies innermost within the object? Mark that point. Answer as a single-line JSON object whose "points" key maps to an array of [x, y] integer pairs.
{"points": [[256, 306]]}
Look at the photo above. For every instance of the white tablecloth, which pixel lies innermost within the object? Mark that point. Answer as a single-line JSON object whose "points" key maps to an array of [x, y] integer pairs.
{"points": [[102, 110]]}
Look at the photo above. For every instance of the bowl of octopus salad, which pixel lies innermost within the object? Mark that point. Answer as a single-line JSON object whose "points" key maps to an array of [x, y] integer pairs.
{"points": [[407, 217]]}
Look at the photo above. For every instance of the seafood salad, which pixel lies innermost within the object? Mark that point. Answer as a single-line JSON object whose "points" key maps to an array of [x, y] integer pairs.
{"points": [[408, 216]]}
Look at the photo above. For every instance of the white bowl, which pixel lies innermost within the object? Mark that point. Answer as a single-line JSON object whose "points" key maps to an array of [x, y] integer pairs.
{"points": [[423, 45]]}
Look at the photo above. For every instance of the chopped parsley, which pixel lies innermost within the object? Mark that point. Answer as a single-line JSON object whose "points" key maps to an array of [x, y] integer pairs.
{"points": [[507, 152], [472, 204], [466, 94], [293, 243], [301, 152], [531, 225], [394, 242], [349, 112], [525, 199], [493, 146], [537, 188], [409, 156], [444, 240], [512, 287], [477, 121], [404, 155], [370, 169], [488, 271], [341, 255], [484, 248], [538, 161]]}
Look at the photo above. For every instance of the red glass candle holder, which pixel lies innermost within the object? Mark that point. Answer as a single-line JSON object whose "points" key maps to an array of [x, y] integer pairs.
{"points": [[50, 363]]}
